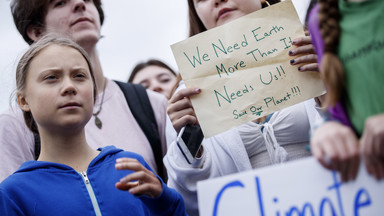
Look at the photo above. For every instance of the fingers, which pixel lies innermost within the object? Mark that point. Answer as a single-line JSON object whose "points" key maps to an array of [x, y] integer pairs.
{"points": [[372, 146], [127, 185], [180, 109], [309, 67], [305, 50], [375, 167], [184, 120], [310, 58], [141, 182], [302, 40], [144, 186], [181, 114], [366, 144], [347, 156], [322, 147], [352, 159], [336, 147], [319, 154], [187, 92]]}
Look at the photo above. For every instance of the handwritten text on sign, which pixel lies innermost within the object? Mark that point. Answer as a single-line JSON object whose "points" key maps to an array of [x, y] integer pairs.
{"points": [[299, 188], [243, 68]]}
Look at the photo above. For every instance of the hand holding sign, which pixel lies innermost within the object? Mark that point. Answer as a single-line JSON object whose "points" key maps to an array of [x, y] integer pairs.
{"points": [[243, 69], [180, 110]]}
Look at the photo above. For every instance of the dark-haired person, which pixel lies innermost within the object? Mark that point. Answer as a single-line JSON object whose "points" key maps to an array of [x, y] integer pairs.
{"points": [[280, 137], [154, 75]]}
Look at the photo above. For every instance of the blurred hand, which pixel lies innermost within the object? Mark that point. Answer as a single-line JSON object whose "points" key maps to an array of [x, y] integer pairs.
{"points": [[308, 57], [336, 147], [180, 108], [372, 145], [141, 182]]}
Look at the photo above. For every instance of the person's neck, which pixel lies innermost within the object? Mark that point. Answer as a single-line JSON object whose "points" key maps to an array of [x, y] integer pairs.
{"points": [[72, 150], [97, 70]]}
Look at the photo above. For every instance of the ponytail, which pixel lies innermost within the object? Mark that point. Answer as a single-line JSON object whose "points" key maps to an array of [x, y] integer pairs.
{"points": [[332, 70]]}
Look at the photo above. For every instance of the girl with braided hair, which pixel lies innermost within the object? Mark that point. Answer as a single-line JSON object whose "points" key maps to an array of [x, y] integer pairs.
{"points": [[349, 40]]}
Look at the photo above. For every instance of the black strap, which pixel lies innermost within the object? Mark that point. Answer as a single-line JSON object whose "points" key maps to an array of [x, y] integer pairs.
{"points": [[141, 108], [37, 145]]}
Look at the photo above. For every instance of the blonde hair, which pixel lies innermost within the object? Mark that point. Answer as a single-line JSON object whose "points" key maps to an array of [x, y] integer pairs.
{"points": [[31, 53], [332, 70]]}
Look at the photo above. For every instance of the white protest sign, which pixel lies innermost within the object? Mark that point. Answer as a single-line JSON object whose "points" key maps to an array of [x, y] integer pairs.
{"points": [[243, 68], [297, 188]]}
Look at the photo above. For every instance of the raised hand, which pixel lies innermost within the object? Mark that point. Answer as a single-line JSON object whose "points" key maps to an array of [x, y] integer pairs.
{"points": [[306, 53], [141, 182]]}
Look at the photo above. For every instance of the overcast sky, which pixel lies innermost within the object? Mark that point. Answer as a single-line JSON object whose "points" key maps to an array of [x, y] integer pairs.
{"points": [[133, 31]]}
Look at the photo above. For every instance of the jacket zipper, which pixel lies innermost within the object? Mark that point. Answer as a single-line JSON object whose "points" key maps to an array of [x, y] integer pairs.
{"points": [[92, 195]]}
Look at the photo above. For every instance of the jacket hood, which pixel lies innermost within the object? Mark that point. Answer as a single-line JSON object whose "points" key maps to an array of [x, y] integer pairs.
{"points": [[105, 154]]}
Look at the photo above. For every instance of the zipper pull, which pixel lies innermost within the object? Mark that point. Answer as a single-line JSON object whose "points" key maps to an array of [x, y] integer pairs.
{"points": [[84, 174]]}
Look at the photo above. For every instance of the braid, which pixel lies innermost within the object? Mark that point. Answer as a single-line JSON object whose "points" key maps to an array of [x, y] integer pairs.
{"points": [[331, 68]]}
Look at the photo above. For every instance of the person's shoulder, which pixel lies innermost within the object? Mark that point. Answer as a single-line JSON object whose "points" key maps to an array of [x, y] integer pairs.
{"points": [[19, 176], [154, 97], [13, 113]]}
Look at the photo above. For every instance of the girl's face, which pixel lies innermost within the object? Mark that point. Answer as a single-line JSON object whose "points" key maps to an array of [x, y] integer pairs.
{"points": [[79, 19], [157, 79], [214, 13], [58, 90]]}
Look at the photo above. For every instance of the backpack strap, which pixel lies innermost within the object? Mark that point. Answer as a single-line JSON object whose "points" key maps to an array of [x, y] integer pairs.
{"points": [[141, 108], [36, 137]]}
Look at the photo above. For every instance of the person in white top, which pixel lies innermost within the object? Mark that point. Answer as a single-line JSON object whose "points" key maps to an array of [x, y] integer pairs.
{"points": [[112, 122], [275, 139]]}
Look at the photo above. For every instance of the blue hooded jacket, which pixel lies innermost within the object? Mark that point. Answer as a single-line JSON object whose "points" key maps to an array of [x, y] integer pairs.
{"points": [[47, 188]]}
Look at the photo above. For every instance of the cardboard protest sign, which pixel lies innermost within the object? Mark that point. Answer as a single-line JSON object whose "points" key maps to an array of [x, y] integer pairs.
{"points": [[243, 68], [301, 187]]}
